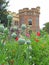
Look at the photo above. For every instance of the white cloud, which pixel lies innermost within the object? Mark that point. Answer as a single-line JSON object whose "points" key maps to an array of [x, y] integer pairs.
{"points": [[15, 5]]}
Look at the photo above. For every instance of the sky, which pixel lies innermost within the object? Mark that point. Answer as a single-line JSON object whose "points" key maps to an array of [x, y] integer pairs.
{"points": [[15, 5]]}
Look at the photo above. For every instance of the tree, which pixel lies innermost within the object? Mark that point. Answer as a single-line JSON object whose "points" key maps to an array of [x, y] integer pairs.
{"points": [[3, 11], [46, 28]]}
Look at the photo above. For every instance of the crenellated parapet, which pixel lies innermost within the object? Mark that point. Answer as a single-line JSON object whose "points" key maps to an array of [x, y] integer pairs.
{"points": [[31, 11]]}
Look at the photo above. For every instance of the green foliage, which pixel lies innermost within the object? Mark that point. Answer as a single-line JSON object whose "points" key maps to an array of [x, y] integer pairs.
{"points": [[3, 11], [6, 31], [46, 28], [1, 28], [24, 51], [40, 53]]}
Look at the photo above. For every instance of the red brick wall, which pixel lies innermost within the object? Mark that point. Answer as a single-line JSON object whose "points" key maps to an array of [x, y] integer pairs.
{"points": [[27, 16]]}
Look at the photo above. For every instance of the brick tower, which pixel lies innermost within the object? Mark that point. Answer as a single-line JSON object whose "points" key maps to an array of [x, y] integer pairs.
{"points": [[30, 17]]}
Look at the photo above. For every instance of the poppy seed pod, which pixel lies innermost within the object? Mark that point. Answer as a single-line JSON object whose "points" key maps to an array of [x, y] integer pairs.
{"points": [[9, 17], [21, 41], [13, 35], [15, 28], [23, 26], [28, 41], [6, 30], [1, 28]]}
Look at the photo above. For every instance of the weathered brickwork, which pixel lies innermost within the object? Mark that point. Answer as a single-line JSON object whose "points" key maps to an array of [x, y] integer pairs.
{"points": [[30, 17]]}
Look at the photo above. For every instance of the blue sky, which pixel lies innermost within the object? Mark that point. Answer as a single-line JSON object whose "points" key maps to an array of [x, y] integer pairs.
{"points": [[15, 5]]}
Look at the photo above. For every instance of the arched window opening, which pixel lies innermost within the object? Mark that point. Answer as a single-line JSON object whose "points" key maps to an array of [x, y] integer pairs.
{"points": [[30, 21]]}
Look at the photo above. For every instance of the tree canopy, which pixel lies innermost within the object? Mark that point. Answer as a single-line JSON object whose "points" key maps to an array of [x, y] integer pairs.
{"points": [[3, 11], [46, 28]]}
